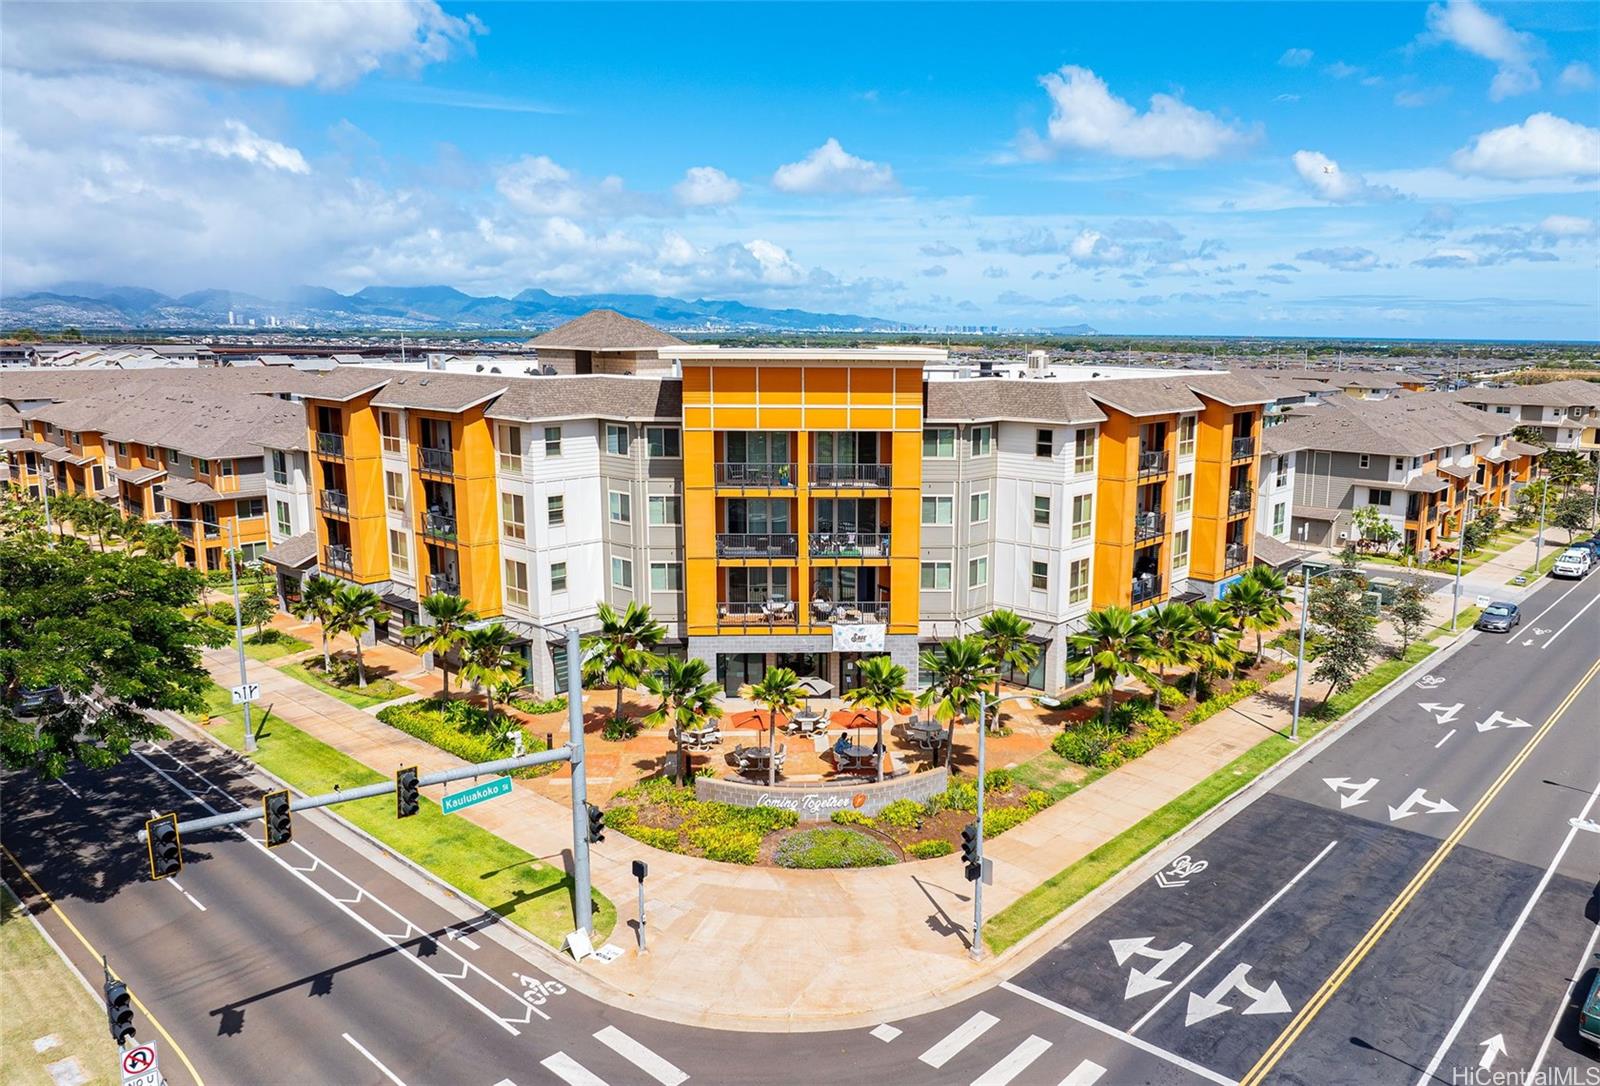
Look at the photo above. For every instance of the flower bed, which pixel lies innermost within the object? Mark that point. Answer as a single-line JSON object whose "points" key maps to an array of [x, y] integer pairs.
{"points": [[667, 816], [832, 848], [462, 729], [927, 830]]}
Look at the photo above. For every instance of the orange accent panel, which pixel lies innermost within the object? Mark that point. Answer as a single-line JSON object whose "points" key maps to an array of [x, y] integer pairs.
{"points": [[871, 418], [871, 385], [780, 418], [697, 418], [733, 418], [734, 383], [827, 386], [696, 384], [780, 385], [827, 418]]}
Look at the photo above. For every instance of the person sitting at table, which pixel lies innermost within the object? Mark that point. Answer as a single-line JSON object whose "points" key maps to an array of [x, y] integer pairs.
{"points": [[842, 747]]}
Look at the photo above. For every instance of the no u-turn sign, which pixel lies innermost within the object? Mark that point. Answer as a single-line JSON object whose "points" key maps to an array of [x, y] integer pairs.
{"points": [[140, 1067]]}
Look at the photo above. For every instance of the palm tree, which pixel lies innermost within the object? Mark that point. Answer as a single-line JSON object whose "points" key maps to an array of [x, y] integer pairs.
{"points": [[960, 669], [1255, 602], [159, 540], [687, 699], [1005, 638], [620, 652], [881, 688], [779, 690], [316, 602], [489, 661], [1114, 644], [1216, 640], [354, 608], [1172, 630], [449, 614]]}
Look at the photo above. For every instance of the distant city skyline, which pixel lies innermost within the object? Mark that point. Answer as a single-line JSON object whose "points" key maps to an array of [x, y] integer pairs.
{"points": [[1400, 170]]}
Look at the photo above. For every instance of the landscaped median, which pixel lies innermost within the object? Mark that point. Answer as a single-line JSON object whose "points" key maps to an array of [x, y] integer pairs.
{"points": [[510, 881], [343, 684]]}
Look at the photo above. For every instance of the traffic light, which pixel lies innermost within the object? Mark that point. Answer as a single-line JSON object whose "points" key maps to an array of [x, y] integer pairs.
{"points": [[119, 1011], [597, 823], [278, 822], [166, 851], [406, 798], [969, 852]]}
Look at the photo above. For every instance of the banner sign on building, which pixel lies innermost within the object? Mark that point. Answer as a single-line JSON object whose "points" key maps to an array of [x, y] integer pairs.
{"points": [[863, 638]]}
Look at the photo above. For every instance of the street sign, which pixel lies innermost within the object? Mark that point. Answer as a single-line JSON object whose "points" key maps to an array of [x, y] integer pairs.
{"points": [[245, 692], [140, 1066], [476, 794]]}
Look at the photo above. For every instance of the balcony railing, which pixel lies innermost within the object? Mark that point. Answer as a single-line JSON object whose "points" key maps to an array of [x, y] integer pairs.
{"points": [[1244, 448], [445, 583], [1146, 586], [840, 475], [748, 545], [849, 612], [439, 526], [755, 475], [849, 545], [336, 556], [1239, 501], [336, 502], [330, 444], [1233, 556], [211, 531], [1148, 526], [1152, 462], [768, 614], [436, 461]]}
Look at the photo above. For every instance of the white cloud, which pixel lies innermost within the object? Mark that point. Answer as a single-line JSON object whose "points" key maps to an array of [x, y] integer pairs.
{"points": [[1327, 181], [1542, 146], [1342, 258], [706, 186], [540, 186], [939, 248], [1086, 116], [1340, 70], [1467, 26], [1419, 97], [1091, 249], [832, 169], [239, 142], [1296, 58], [1566, 226], [1576, 76]]}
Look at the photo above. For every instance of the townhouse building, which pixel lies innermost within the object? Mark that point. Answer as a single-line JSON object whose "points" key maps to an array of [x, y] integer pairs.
{"points": [[1566, 413]]}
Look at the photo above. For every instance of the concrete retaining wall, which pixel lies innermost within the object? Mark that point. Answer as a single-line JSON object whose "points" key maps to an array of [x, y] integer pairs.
{"points": [[816, 801]]}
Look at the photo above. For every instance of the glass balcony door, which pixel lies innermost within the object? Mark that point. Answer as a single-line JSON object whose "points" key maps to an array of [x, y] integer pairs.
{"points": [[756, 448], [758, 516], [847, 515]]}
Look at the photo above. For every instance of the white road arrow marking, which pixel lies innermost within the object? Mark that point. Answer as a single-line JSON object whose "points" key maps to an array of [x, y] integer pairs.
{"points": [[1141, 981], [1419, 798], [1528, 641], [1494, 1046], [1268, 1000], [1357, 792], [1584, 824], [1497, 718], [1444, 714]]}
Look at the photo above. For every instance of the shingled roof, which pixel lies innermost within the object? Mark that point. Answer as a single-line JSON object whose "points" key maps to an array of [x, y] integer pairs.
{"points": [[1549, 394], [605, 330], [588, 396]]}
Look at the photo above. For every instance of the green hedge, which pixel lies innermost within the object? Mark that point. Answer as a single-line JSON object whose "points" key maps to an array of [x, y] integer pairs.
{"points": [[829, 848], [929, 850], [717, 831], [534, 707], [1212, 706], [462, 729]]}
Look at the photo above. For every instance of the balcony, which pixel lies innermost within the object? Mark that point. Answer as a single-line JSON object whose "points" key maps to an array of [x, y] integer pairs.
{"points": [[1152, 462], [211, 531], [445, 583], [337, 558], [336, 502], [330, 444], [1244, 448], [436, 461], [849, 545], [747, 545], [1239, 501], [849, 613], [767, 615], [1146, 587], [439, 526], [1148, 525], [758, 476], [855, 475], [1234, 555]]}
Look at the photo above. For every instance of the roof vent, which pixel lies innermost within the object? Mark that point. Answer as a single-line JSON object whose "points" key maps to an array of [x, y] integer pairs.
{"points": [[423, 381]]}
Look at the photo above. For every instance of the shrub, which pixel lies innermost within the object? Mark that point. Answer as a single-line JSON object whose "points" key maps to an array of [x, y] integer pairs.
{"points": [[902, 814], [996, 780], [532, 707], [928, 850], [1037, 801], [936, 803], [1075, 699], [829, 848], [462, 729], [666, 840], [852, 818], [1000, 819], [221, 611], [726, 843], [1212, 706], [619, 728], [961, 796], [1084, 744], [660, 790], [266, 637]]}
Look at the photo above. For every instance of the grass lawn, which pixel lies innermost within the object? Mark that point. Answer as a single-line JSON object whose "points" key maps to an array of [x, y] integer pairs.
{"points": [[533, 895], [1053, 775], [376, 692], [271, 644], [41, 997]]}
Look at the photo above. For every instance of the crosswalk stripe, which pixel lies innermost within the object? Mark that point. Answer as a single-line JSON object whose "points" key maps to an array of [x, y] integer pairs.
{"points": [[640, 1056], [1086, 1073], [570, 1071], [886, 1032], [1015, 1062], [958, 1038]]}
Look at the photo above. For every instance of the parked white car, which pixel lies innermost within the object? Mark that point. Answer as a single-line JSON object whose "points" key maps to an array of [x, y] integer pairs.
{"points": [[1574, 563]]}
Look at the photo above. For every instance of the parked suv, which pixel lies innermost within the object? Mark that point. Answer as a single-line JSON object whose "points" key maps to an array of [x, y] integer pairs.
{"points": [[1575, 562]]}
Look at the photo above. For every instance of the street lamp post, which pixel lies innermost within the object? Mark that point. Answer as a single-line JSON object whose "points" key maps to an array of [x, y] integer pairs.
{"points": [[1300, 657], [1461, 549], [238, 624]]}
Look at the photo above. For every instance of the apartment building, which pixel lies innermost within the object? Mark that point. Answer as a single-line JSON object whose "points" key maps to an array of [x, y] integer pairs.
{"points": [[1566, 413]]}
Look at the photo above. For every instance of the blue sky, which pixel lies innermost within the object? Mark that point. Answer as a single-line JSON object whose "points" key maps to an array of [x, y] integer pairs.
{"points": [[1262, 169]]}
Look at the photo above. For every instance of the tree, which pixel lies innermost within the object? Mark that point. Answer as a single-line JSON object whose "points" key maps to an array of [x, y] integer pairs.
{"points": [[1004, 635], [1530, 435], [159, 541], [1347, 637], [256, 610], [110, 632], [1410, 611], [1375, 528], [316, 602], [354, 609], [779, 691], [1572, 514], [621, 652], [489, 659], [881, 688], [1249, 607], [1216, 641], [1114, 644], [687, 699], [960, 669], [1172, 631], [450, 614]]}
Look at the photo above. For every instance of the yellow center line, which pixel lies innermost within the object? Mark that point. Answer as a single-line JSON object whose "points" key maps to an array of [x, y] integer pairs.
{"points": [[73, 928], [1314, 1005]]}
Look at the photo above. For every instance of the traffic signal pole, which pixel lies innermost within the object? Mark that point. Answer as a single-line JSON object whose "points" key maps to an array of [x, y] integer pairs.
{"points": [[582, 891]]}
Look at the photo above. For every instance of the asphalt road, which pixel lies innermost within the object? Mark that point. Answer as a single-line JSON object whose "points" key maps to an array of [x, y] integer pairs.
{"points": [[1419, 888]]}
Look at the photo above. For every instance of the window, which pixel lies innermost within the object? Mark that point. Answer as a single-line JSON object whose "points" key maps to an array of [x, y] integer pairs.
{"points": [[517, 584], [1416, 462], [250, 508], [666, 509], [977, 573], [1180, 549], [513, 523], [981, 440], [509, 438], [1186, 427], [1044, 443], [170, 457], [936, 576], [1364, 461], [980, 507], [938, 444], [1041, 576], [555, 508], [664, 442], [558, 576], [938, 510], [616, 440], [280, 467], [1380, 497], [399, 553], [1280, 513], [1041, 510], [552, 441], [224, 469], [285, 522], [1502, 409], [122, 450], [621, 507], [1078, 581], [1283, 472], [198, 466], [1399, 463], [1082, 516], [389, 427], [1083, 451], [394, 491], [621, 573], [666, 576], [1183, 498]]}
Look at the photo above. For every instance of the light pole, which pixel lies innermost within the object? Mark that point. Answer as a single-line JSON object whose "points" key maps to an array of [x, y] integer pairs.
{"points": [[1300, 657], [1538, 539], [238, 623], [1461, 549]]}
